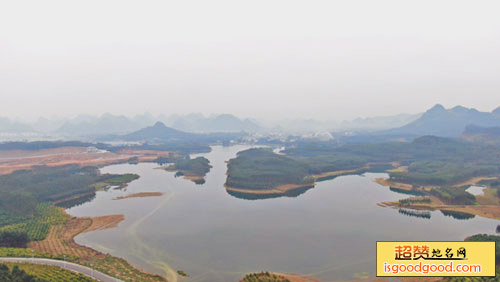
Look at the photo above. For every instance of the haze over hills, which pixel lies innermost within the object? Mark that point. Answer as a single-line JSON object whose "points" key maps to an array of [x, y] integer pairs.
{"points": [[157, 132], [215, 123], [105, 124], [436, 121], [10, 126], [379, 123], [448, 122]]}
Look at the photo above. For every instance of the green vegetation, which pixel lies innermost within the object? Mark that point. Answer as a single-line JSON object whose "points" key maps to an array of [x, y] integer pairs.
{"points": [[261, 169], [264, 277], [115, 180], [490, 183], [410, 201], [26, 196], [454, 195], [196, 169], [199, 166], [430, 160], [37, 228], [37, 272], [481, 237], [108, 264], [16, 239], [17, 275], [28, 252]]}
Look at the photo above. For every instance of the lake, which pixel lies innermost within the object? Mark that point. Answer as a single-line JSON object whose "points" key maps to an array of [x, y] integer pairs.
{"points": [[328, 232]]}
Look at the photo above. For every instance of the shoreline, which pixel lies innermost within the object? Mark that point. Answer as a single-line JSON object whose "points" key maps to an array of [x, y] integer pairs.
{"points": [[60, 241], [281, 190], [186, 174], [483, 210], [139, 195]]}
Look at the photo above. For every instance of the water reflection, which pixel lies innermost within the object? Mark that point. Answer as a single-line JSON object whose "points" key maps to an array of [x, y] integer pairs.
{"points": [[458, 215], [416, 213], [254, 196], [328, 232]]}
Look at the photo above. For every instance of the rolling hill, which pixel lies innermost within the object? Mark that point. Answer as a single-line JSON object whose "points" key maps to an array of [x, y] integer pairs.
{"points": [[452, 122]]}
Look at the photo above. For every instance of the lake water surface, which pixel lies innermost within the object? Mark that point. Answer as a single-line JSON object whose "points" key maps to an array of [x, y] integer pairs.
{"points": [[328, 232]]}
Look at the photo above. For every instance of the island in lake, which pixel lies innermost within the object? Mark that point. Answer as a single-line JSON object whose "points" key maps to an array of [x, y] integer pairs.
{"points": [[260, 173], [435, 171], [192, 169]]}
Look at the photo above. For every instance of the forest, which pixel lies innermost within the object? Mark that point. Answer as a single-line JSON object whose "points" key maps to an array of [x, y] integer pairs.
{"points": [[198, 166], [431, 160], [27, 197], [262, 169], [16, 275]]}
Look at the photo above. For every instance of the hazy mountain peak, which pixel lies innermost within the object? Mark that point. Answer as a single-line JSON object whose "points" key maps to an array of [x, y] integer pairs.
{"points": [[437, 108], [496, 111], [159, 124], [463, 110]]}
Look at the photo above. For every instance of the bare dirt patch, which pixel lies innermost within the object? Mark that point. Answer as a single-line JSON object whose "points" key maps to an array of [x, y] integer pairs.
{"points": [[140, 195], [104, 222], [13, 160], [60, 239], [387, 183]]}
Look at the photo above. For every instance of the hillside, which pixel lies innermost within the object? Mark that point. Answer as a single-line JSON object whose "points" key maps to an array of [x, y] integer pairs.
{"points": [[443, 122], [157, 132], [261, 169], [215, 123], [488, 135]]}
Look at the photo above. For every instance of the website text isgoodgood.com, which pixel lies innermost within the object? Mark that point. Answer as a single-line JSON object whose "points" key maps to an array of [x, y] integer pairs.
{"points": [[423, 268]]}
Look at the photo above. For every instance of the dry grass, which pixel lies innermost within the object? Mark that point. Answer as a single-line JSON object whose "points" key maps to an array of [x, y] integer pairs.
{"points": [[104, 222]]}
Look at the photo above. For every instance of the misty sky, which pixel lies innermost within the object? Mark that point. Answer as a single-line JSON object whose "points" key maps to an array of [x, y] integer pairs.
{"points": [[264, 59]]}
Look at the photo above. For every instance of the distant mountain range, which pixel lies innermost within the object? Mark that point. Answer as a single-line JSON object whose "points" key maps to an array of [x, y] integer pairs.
{"points": [[214, 123], [452, 122], [9, 126], [105, 124], [108, 124], [160, 134], [436, 121], [379, 123]]}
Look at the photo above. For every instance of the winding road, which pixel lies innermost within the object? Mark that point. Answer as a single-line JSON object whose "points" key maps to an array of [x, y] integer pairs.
{"points": [[67, 265]]}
